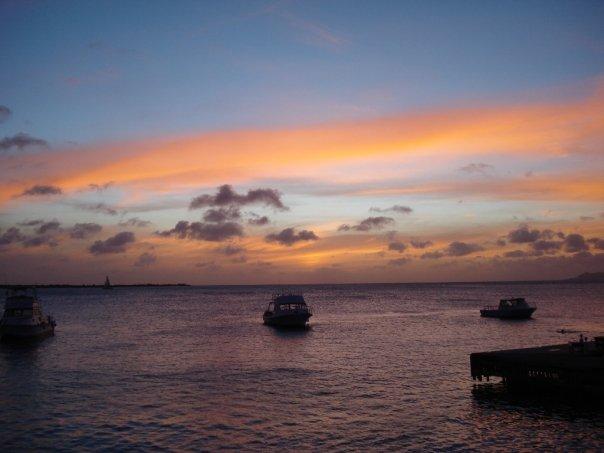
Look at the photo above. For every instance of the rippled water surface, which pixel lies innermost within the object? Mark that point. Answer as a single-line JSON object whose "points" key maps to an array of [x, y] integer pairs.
{"points": [[384, 367]]}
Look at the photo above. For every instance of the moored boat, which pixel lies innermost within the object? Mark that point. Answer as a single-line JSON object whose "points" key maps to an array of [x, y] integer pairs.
{"points": [[23, 317], [515, 308], [287, 310]]}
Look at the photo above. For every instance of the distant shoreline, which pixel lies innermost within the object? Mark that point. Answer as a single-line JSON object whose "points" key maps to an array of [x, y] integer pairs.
{"points": [[63, 285], [596, 277]]}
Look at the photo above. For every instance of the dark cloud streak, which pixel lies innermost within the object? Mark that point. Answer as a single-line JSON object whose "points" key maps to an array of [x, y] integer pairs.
{"points": [[477, 168], [289, 237], [145, 260], [420, 244], [574, 243], [397, 246], [11, 236], [48, 226], [114, 244], [41, 190], [135, 222], [99, 208], [399, 209], [226, 196], [221, 215], [84, 230], [523, 234], [457, 248], [5, 113], [370, 223], [21, 141], [257, 220], [213, 232], [31, 222]]}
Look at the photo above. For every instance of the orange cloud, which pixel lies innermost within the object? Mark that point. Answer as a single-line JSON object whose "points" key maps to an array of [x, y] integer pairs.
{"points": [[212, 158]]}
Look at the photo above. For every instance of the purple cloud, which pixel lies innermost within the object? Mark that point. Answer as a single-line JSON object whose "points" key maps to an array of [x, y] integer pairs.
{"points": [[48, 226], [399, 209], [145, 260], [226, 196], [214, 232], [397, 246], [114, 244], [41, 190], [221, 215], [84, 230], [289, 237], [420, 244], [5, 113], [21, 141], [575, 243], [370, 223], [134, 222], [457, 248]]}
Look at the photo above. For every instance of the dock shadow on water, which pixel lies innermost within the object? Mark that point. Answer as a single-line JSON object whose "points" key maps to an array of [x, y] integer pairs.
{"points": [[498, 398]]}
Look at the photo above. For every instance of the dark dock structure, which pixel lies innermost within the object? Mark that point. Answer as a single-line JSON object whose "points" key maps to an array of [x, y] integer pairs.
{"points": [[570, 367]]}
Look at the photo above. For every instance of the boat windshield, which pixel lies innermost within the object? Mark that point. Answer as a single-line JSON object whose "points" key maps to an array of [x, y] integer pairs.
{"points": [[21, 291]]}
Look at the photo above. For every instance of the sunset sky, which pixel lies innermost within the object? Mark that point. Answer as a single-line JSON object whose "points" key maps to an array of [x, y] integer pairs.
{"points": [[224, 142]]}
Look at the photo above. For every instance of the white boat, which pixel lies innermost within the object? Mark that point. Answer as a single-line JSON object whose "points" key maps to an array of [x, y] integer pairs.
{"points": [[23, 317], [515, 308], [287, 310]]}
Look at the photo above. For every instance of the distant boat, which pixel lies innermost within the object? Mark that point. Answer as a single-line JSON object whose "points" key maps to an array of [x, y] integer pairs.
{"points": [[287, 310], [23, 317], [515, 308], [107, 284]]}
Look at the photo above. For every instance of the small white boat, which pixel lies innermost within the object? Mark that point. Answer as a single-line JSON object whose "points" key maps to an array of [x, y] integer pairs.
{"points": [[515, 308], [287, 310], [23, 317]]}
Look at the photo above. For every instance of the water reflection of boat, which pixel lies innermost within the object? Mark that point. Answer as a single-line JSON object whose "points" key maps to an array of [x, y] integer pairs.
{"points": [[23, 317], [515, 308], [287, 310]]}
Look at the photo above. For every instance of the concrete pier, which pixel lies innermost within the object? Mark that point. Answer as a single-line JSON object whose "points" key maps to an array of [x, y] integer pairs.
{"points": [[576, 366]]}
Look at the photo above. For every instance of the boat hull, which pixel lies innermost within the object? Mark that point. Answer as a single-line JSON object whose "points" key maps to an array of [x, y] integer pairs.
{"points": [[519, 313], [298, 320], [26, 332]]}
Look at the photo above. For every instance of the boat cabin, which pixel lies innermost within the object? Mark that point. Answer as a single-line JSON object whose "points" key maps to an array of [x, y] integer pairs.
{"points": [[287, 302], [22, 303], [517, 302]]}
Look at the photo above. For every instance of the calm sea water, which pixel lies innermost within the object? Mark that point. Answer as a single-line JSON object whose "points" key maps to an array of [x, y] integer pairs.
{"points": [[384, 367]]}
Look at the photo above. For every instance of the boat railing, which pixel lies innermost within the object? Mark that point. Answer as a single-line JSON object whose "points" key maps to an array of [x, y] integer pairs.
{"points": [[306, 308], [503, 307]]}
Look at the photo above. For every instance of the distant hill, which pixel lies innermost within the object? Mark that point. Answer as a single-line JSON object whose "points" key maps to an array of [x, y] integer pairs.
{"points": [[62, 285], [588, 277]]}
